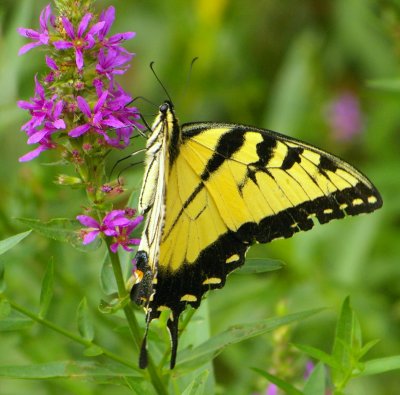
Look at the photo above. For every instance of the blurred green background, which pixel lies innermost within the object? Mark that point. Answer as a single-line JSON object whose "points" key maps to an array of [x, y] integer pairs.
{"points": [[283, 65]]}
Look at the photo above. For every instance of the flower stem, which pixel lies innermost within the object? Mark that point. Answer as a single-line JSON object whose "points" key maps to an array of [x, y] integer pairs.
{"points": [[132, 322], [72, 336]]}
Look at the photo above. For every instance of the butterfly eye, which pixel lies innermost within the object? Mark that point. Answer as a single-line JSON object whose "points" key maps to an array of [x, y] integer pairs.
{"points": [[164, 107]]}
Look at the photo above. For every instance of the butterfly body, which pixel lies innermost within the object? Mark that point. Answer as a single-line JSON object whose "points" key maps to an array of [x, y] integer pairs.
{"points": [[211, 190]]}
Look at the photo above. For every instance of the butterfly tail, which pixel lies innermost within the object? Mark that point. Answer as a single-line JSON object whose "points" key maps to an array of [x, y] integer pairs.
{"points": [[172, 325]]}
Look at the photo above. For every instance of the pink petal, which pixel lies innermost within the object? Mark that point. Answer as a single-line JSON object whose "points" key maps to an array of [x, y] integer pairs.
{"points": [[29, 33], [79, 58], [68, 27], [95, 28], [90, 236], [32, 154], [101, 101], [63, 44], [88, 221], [84, 24], [27, 47], [84, 106], [59, 124], [78, 131], [51, 63], [36, 137]]}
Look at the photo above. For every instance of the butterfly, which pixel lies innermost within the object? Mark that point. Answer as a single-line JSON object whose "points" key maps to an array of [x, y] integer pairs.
{"points": [[211, 190]]}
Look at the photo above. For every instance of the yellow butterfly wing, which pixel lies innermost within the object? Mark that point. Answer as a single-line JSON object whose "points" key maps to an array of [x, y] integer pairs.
{"points": [[233, 185], [211, 190]]}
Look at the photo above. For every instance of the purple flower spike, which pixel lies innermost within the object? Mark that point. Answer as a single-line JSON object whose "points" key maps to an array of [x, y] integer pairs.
{"points": [[80, 40], [40, 37]]}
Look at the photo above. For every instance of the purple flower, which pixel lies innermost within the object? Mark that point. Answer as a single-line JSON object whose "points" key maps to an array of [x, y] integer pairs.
{"points": [[115, 224], [98, 120], [79, 40], [272, 389], [40, 37], [111, 61], [345, 117], [108, 17], [44, 145], [46, 120]]}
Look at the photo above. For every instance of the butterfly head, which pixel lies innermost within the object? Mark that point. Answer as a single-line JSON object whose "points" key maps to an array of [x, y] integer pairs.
{"points": [[166, 107]]}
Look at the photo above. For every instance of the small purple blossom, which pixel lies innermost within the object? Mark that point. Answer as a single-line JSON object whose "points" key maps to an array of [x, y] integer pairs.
{"points": [[98, 120], [112, 61], [110, 112], [345, 117], [79, 40], [115, 224], [108, 17], [46, 120], [272, 389], [41, 37]]}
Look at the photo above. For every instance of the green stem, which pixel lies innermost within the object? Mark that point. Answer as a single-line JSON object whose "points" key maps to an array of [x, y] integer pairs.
{"points": [[132, 322], [70, 335]]}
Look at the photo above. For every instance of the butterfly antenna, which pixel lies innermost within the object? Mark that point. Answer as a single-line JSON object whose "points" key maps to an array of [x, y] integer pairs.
{"points": [[125, 158], [128, 167], [159, 81]]}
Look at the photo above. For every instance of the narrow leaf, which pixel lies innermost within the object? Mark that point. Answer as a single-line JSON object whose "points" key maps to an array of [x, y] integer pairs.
{"points": [[381, 365], [237, 333], [319, 355], [288, 388], [66, 369], [343, 336], [46, 293], [61, 229], [315, 384], [85, 325], [12, 241], [259, 265], [196, 387]]}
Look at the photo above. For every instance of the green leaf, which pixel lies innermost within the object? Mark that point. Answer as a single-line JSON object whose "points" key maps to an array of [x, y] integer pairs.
{"points": [[5, 309], [319, 355], [46, 293], [61, 229], [12, 241], [288, 388], [93, 351], [85, 325], [381, 365], [236, 334], [14, 323], [115, 304], [343, 337], [259, 265], [196, 387], [67, 369], [315, 384], [107, 278]]}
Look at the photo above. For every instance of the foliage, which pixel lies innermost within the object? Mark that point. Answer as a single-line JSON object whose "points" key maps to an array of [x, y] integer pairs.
{"points": [[279, 65]]}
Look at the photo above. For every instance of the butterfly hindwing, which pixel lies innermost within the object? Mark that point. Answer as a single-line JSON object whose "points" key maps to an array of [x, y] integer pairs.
{"points": [[228, 186]]}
